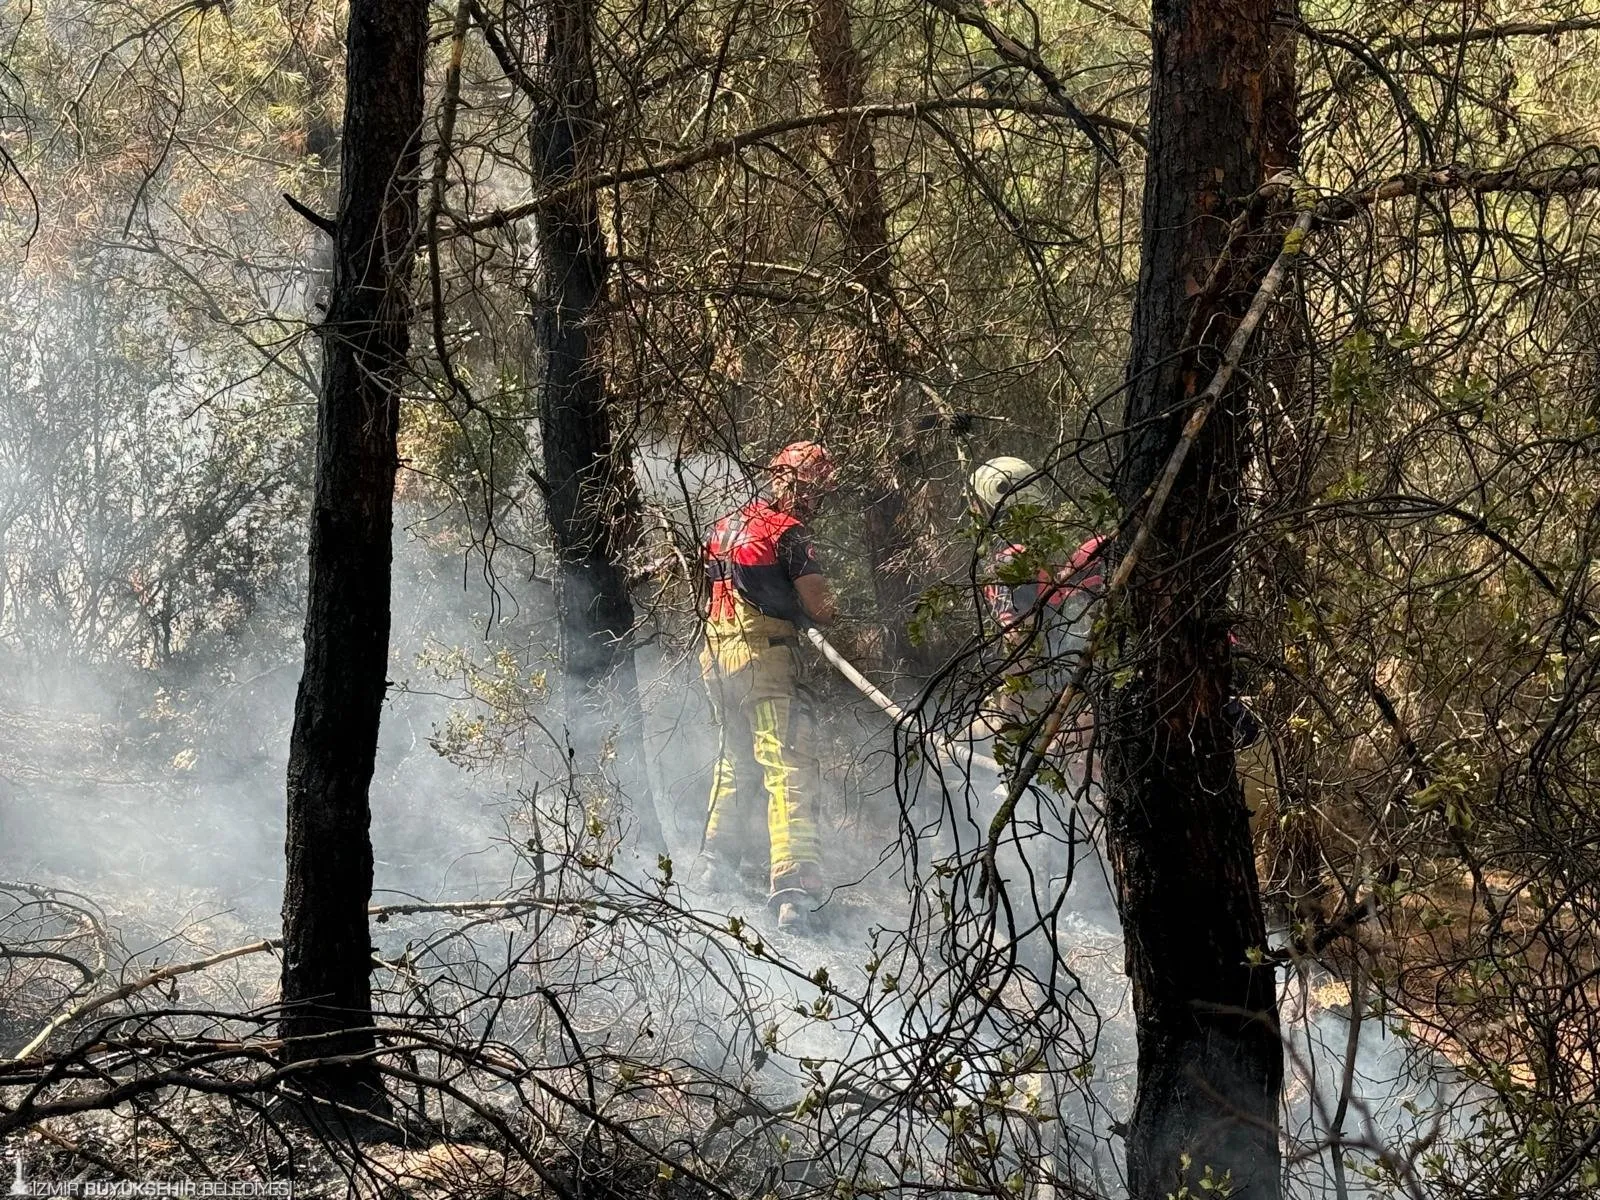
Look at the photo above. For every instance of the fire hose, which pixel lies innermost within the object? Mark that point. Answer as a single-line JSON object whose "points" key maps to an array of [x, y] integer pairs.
{"points": [[952, 752], [956, 755]]}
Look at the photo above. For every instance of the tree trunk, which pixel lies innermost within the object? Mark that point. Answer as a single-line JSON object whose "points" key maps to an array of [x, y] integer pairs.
{"points": [[1280, 105], [327, 948], [1210, 1059], [841, 76], [588, 485]]}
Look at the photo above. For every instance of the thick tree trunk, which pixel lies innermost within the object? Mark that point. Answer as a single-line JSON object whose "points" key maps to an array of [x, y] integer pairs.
{"points": [[841, 75], [588, 485], [1210, 1059], [327, 949]]}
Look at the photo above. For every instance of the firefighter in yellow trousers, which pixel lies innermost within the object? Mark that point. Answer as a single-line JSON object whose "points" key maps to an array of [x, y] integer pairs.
{"points": [[765, 584]]}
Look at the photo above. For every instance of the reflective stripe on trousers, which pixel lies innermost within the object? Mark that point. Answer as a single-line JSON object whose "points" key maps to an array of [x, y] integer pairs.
{"points": [[765, 747]]}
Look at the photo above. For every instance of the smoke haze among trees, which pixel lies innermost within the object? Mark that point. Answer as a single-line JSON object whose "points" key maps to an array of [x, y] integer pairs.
{"points": [[370, 375]]}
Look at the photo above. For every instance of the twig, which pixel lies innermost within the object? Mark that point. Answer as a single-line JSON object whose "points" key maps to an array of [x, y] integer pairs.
{"points": [[1347, 1081], [83, 1152], [1488, 33], [163, 975], [1542, 181], [326, 224], [438, 185], [379, 913], [1017, 54], [48, 956]]}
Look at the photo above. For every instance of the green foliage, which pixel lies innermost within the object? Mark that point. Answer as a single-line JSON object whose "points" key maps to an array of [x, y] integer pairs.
{"points": [[501, 697], [1452, 784], [1208, 1184]]}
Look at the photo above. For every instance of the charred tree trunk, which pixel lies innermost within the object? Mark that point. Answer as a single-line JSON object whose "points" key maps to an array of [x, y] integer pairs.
{"points": [[327, 949], [1280, 104], [588, 487], [841, 75], [1210, 1060]]}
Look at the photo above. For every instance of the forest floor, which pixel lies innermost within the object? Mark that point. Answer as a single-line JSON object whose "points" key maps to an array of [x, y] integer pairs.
{"points": [[168, 821]]}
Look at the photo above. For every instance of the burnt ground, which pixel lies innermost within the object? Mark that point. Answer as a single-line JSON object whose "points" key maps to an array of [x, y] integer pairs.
{"points": [[164, 814]]}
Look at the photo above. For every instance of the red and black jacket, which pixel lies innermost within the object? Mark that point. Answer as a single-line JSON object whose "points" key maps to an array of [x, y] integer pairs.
{"points": [[755, 555]]}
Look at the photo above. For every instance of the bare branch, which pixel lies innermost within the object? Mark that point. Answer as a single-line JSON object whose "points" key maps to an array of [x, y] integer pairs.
{"points": [[1044, 745], [1029, 60], [728, 147]]}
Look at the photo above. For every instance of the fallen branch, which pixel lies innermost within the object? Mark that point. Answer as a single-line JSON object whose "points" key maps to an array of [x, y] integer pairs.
{"points": [[1068, 697], [163, 975], [82, 1151], [166, 974], [48, 956]]}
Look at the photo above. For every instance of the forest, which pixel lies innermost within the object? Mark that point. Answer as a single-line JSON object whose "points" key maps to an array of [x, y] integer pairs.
{"points": [[800, 599]]}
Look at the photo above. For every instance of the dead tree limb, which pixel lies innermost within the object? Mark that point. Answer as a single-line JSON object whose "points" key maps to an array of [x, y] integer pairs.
{"points": [[1029, 60], [727, 147], [1069, 697], [162, 975]]}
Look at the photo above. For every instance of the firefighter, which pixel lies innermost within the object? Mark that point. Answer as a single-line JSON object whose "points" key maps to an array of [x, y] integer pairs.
{"points": [[1049, 614], [765, 584], [1044, 613], [1042, 608]]}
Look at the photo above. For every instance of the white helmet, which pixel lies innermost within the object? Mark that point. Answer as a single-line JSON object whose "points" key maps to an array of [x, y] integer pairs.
{"points": [[1006, 480]]}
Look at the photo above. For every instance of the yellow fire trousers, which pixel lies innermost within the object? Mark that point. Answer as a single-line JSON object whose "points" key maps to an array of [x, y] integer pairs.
{"points": [[765, 745]]}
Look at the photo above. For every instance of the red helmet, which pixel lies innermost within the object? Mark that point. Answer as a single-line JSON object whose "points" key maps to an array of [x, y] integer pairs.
{"points": [[806, 464]]}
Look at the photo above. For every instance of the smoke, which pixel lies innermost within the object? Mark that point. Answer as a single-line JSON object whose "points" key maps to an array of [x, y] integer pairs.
{"points": [[870, 1048], [162, 793], [887, 911]]}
